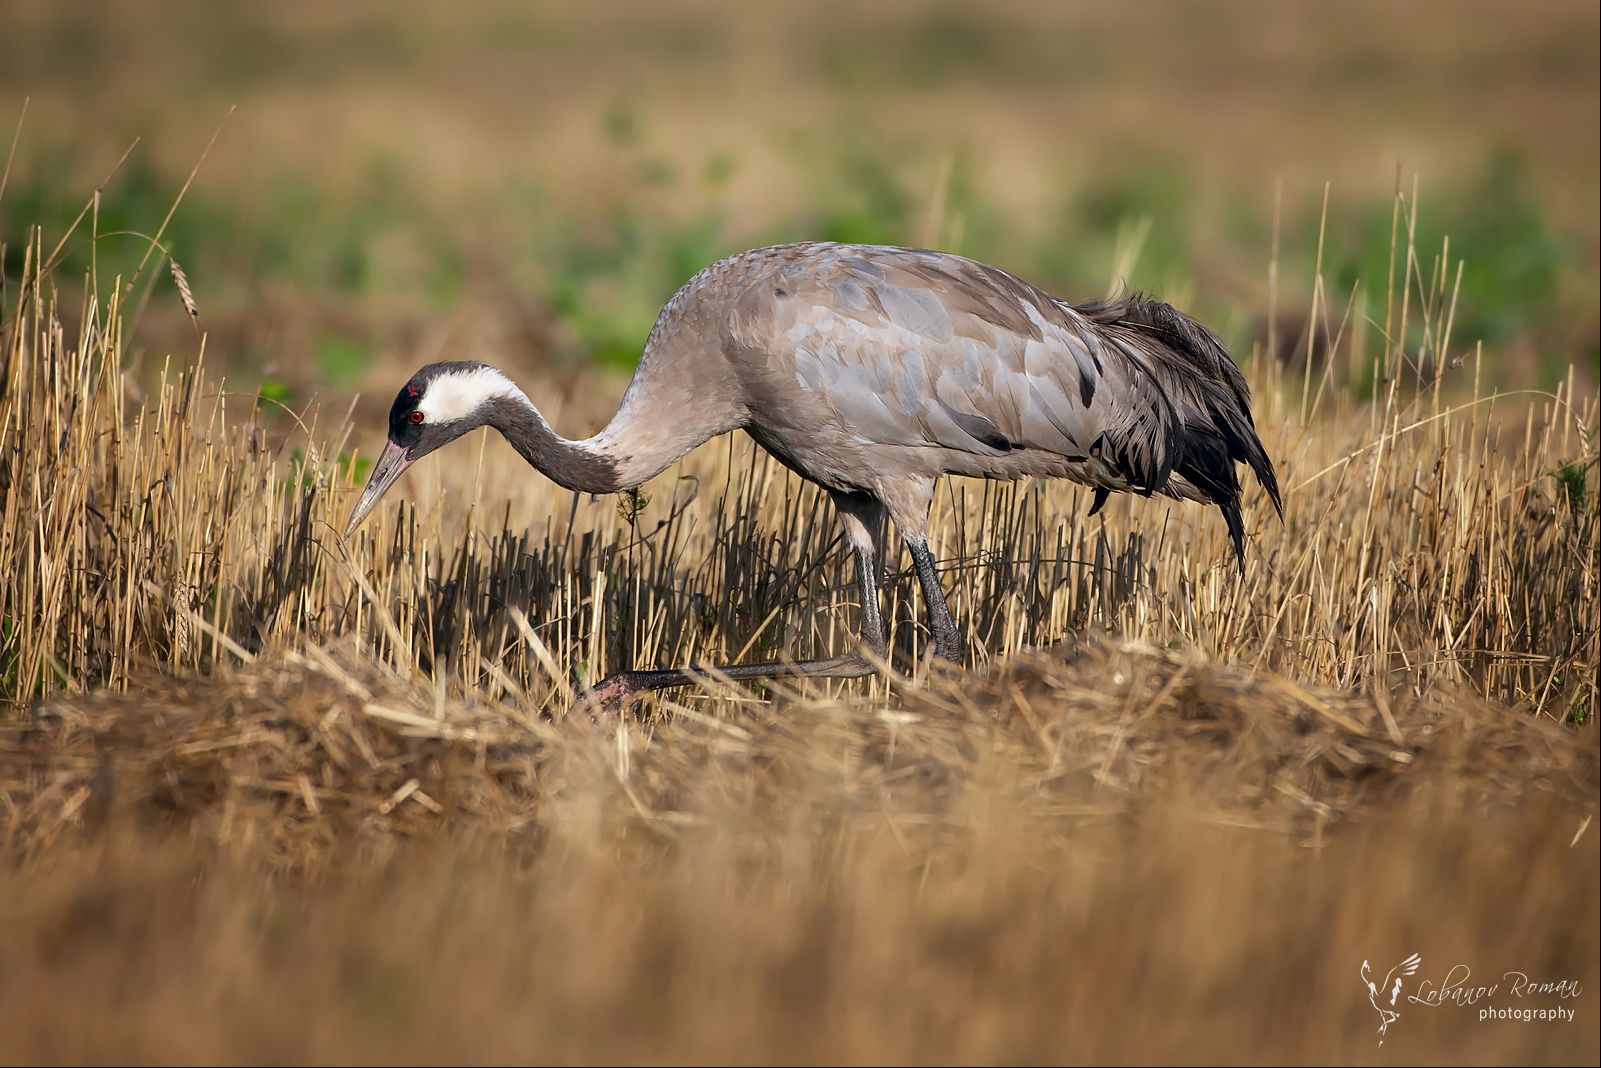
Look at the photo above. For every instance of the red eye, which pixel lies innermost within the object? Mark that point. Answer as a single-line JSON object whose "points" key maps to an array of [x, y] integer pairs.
{"points": [[416, 417]]}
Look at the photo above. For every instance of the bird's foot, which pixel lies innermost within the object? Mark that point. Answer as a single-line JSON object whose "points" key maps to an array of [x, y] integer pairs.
{"points": [[609, 697], [620, 691]]}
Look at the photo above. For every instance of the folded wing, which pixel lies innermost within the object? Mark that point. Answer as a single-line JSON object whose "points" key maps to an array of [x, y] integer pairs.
{"points": [[920, 348]]}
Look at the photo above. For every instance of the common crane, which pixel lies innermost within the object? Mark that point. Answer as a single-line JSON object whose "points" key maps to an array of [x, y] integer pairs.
{"points": [[872, 371]]}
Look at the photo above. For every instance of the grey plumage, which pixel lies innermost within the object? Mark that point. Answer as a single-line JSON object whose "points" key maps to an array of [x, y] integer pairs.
{"points": [[923, 363], [872, 371]]}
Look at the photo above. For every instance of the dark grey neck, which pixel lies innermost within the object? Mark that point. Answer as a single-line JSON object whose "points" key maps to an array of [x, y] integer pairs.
{"points": [[575, 465]]}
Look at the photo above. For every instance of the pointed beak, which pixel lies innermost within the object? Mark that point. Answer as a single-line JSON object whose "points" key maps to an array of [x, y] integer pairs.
{"points": [[391, 464]]}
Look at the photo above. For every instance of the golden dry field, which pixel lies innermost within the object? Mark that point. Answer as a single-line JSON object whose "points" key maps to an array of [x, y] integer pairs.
{"points": [[271, 796]]}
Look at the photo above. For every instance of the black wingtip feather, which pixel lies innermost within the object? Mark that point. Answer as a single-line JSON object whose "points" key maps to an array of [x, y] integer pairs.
{"points": [[1210, 451], [1231, 516]]}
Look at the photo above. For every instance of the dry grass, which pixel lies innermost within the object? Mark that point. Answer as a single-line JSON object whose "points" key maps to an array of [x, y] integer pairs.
{"points": [[302, 748], [268, 796], [1114, 853], [1426, 541]]}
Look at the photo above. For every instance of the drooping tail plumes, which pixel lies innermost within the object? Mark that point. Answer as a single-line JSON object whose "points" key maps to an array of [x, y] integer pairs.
{"points": [[1210, 398]]}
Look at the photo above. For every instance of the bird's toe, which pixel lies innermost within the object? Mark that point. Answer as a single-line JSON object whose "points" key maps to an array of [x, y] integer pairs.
{"points": [[609, 696]]}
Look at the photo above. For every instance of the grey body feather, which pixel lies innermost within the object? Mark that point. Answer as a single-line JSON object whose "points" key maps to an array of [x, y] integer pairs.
{"points": [[875, 370]]}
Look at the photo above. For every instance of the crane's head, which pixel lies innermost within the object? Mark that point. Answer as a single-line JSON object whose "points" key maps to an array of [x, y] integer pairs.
{"points": [[440, 403]]}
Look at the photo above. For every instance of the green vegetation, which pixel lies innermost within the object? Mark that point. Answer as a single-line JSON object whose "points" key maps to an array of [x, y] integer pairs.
{"points": [[1572, 490], [601, 281]]}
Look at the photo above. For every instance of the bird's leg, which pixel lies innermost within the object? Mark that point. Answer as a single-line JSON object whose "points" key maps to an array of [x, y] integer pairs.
{"points": [[860, 517], [863, 516], [948, 641]]}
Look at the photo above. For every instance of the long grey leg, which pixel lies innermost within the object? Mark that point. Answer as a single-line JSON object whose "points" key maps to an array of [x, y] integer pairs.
{"points": [[861, 515], [948, 642]]}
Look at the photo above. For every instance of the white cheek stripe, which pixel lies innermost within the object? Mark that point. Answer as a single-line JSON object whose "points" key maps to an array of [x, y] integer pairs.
{"points": [[457, 395]]}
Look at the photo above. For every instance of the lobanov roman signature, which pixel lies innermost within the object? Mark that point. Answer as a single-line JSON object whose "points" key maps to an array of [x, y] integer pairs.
{"points": [[1384, 994], [1458, 988]]}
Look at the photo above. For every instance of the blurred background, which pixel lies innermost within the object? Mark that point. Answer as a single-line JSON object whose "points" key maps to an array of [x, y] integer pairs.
{"points": [[396, 180]]}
